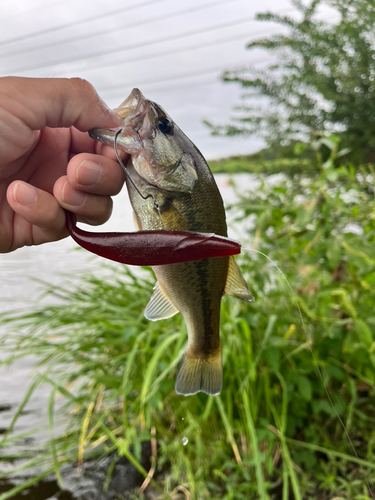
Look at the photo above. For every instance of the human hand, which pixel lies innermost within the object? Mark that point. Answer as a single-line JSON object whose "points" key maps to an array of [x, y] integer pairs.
{"points": [[48, 162]]}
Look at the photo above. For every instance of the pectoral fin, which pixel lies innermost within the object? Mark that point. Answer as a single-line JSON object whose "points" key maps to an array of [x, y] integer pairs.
{"points": [[137, 222], [236, 285], [159, 307]]}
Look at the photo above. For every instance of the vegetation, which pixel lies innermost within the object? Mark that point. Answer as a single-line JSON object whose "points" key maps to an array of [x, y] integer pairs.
{"points": [[322, 79], [259, 165], [301, 159], [296, 415]]}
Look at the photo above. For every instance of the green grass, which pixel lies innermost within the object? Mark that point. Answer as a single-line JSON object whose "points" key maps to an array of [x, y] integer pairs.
{"points": [[296, 417], [291, 160], [247, 164]]}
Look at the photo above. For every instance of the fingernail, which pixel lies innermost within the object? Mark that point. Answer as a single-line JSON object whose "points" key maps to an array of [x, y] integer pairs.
{"points": [[73, 197], [88, 173], [24, 194]]}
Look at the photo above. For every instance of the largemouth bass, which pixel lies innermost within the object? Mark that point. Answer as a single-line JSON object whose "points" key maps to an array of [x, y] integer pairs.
{"points": [[172, 188]]}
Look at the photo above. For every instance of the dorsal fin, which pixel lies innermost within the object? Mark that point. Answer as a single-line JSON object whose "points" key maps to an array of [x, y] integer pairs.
{"points": [[159, 307], [236, 285]]}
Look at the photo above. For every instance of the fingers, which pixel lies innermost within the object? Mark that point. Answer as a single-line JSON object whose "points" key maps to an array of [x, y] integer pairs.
{"points": [[38, 216], [95, 174], [90, 208], [56, 102], [85, 191], [87, 187]]}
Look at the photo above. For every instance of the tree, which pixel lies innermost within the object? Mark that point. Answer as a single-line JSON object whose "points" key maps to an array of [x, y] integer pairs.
{"points": [[322, 80]]}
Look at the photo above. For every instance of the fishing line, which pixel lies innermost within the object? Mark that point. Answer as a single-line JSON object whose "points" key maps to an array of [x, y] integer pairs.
{"points": [[316, 359]]}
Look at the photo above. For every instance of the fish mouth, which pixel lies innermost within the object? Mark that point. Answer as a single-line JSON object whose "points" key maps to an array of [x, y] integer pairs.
{"points": [[131, 105], [138, 116], [132, 112], [104, 135]]}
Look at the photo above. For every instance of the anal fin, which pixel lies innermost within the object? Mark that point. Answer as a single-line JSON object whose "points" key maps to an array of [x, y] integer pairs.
{"points": [[159, 307], [236, 285]]}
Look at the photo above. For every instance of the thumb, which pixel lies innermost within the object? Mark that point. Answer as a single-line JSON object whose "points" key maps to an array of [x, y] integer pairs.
{"points": [[56, 102]]}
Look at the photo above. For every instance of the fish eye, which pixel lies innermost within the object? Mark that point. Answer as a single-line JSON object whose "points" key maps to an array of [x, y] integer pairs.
{"points": [[164, 125]]}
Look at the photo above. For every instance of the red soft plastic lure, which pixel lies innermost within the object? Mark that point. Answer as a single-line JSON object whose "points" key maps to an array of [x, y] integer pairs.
{"points": [[153, 248]]}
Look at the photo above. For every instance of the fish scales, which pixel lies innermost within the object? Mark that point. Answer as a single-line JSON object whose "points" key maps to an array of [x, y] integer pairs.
{"points": [[194, 288], [171, 187]]}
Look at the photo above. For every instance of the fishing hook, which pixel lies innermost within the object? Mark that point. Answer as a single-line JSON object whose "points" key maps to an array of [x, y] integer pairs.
{"points": [[156, 205]]}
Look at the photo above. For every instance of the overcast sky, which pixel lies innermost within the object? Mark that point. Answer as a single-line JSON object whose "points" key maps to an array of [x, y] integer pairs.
{"points": [[173, 51]]}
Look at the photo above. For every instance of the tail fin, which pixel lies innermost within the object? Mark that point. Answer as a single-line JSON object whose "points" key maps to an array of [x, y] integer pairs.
{"points": [[200, 374]]}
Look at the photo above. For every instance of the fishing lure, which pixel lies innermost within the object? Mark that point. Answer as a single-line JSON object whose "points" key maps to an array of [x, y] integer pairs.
{"points": [[153, 248]]}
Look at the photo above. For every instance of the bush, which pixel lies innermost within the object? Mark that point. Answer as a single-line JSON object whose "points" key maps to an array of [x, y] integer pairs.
{"points": [[321, 79]]}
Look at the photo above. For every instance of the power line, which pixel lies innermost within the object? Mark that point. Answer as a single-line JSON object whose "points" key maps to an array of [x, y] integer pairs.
{"points": [[105, 31], [13, 14], [84, 21], [135, 46], [169, 89], [210, 71], [194, 84], [188, 48]]}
